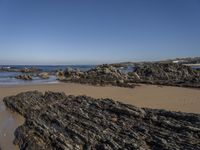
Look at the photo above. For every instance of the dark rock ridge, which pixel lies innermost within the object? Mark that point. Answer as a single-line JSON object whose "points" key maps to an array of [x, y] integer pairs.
{"points": [[56, 121], [168, 74], [43, 75], [101, 75], [173, 74]]}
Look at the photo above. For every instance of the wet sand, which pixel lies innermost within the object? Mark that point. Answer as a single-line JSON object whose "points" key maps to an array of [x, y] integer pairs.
{"points": [[9, 121]]}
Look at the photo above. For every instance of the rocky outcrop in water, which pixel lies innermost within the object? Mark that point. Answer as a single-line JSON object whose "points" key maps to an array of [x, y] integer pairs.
{"points": [[168, 74], [101, 75], [24, 77], [56, 121], [44, 75], [151, 73]]}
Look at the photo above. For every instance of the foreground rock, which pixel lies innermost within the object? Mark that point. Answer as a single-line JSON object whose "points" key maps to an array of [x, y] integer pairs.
{"points": [[24, 77], [56, 121], [101, 75], [168, 74]]}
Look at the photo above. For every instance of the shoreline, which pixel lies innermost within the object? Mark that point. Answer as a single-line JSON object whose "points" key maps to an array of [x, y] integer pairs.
{"points": [[147, 96], [9, 121]]}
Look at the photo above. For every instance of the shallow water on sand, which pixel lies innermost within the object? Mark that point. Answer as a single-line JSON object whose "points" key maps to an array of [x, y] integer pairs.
{"points": [[9, 121]]}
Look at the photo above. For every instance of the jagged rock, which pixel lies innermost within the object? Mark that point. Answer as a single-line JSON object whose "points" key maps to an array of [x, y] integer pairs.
{"points": [[59, 73], [101, 75], [173, 74], [24, 77], [168, 74], [44, 75], [56, 121]]}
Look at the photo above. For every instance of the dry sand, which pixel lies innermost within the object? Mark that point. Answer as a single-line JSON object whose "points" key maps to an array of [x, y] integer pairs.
{"points": [[151, 96]]}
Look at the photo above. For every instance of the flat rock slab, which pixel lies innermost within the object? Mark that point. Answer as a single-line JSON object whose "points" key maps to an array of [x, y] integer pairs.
{"points": [[56, 121]]}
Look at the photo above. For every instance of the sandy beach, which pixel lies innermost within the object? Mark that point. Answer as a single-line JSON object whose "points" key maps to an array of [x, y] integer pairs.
{"points": [[151, 96]]}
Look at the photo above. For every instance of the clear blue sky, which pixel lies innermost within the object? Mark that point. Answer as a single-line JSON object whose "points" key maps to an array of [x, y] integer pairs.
{"points": [[97, 31]]}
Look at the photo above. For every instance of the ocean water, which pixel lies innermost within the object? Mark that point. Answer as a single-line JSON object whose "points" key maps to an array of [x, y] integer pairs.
{"points": [[8, 78]]}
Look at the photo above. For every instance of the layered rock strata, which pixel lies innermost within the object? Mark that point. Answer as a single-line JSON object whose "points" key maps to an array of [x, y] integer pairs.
{"points": [[56, 121]]}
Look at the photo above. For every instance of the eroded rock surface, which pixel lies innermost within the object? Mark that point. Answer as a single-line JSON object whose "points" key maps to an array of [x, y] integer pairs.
{"points": [[168, 74], [56, 121], [172, 74], [44, 75], [100, 75], [24, 77]]}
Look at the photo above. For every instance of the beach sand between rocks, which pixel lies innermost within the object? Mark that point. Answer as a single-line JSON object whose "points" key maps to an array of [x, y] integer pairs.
{"points": [[151, 96]]}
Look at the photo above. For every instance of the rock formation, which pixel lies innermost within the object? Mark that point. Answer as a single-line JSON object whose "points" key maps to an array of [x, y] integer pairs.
{"points": [[60, 75], [24, 77], [43, 75], [56, 121], [101, 75], [150, 73], [168, 74]]}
